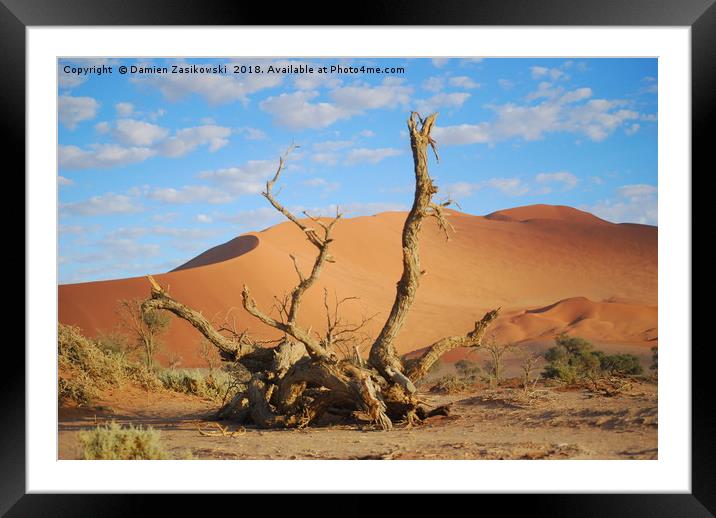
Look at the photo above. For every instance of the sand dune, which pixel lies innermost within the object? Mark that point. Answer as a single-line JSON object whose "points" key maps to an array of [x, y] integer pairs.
{"points": [[550, 268]]}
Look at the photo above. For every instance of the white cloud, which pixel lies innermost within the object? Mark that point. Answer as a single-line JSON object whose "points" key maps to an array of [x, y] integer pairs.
{"points": [[124, 109], [440, 62], [102, 127], [560, 112], [371, 156], [101, 156], [166, 217], [190, 194], [460, 190], [329, 158], [249, 178], [544, 72], [508, 186], [367, 133], [251, 133], [631, 130], [138, 133], [100, 205], [635, 203], [462, 134], [463, 82], [203, 218], [442, 100], [390, 94], [73, 110], [61, 180], [434, 84], [215, 88], [322, 184], [188, 139], [567, 179], [506, 84], [297, 110], [142, 140]]}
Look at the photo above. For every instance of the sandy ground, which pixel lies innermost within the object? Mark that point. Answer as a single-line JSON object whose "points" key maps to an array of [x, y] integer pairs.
{"points": [[484, 424]]}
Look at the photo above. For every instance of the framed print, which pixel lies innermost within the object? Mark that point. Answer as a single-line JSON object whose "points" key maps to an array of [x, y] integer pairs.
{"points": [[441, 252]]}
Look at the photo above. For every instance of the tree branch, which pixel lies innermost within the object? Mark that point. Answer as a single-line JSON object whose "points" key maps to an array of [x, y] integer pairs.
{"points": [[419, 367]]}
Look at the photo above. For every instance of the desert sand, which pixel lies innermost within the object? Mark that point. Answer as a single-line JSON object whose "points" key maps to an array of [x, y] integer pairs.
{"points": [[550, 269]]}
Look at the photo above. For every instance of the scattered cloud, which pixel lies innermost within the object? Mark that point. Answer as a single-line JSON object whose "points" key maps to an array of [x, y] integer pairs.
{"points": [[214, 88], [299, 110], [506, 84], [545, 72], [124, 109], [370, 156], [61, 180], [635, 203], [322, 184], [73, 110], [251, 133], [442, 100], [190, 194], [138, 133], [139, 141], [568, 180], [560, 111], [101, 156], [463, 82], [102, 205], [249, 178], [203, 218]]}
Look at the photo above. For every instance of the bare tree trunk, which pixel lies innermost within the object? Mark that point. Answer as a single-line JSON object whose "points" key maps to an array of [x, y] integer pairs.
{"points": [[383, 355]]}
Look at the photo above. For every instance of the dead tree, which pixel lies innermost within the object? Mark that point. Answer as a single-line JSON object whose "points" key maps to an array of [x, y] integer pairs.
{"points": [[294, 383]]}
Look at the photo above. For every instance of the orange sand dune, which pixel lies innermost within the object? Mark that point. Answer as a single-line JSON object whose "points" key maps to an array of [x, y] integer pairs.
{"points": [[550, 268]]}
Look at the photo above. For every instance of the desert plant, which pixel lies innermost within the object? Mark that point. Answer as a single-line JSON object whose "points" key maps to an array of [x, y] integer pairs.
{"points": [[619, 364], [530, 362], [145, 327], [494, 362], [573, 360], [114, 442], [85, 368], [449, 385], [468, 370], [654, 359], [217, 385]]}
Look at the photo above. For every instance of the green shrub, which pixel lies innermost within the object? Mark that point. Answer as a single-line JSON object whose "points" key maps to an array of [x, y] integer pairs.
{"points": [[113, 442], [574, 360], [620, 364]]}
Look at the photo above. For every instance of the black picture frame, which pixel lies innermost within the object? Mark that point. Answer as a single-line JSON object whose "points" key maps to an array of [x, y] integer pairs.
{"points": [[700, 15]]}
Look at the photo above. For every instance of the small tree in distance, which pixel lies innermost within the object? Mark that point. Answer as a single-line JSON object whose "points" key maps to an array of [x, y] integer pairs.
{"points": [[496, 351], [145, 327]]}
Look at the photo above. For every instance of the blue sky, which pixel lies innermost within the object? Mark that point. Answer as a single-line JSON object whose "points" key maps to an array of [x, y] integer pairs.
{"points": [[156, 168]]}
